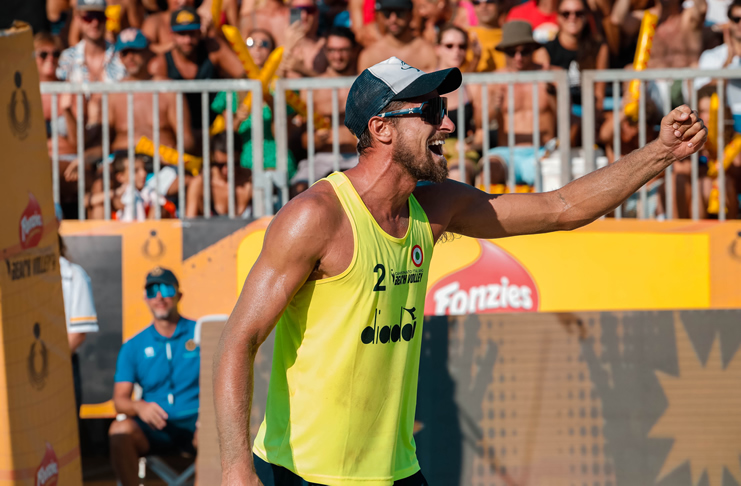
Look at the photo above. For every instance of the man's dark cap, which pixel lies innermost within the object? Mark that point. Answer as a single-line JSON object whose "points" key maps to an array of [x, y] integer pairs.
{"points": [[185, 19], [394, 5], [392, 80], [161, 275]]}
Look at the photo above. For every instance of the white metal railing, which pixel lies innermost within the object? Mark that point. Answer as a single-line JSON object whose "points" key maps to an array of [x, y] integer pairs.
{"points": [[157, 87], [616, 77], [558, 78]]}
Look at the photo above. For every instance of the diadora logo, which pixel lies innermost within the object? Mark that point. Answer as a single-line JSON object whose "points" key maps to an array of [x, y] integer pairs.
{"points": [[406, 66], [377, 334], [149, 352]]}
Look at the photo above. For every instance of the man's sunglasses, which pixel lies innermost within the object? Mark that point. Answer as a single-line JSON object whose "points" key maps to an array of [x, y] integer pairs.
{"points": [[166, 290], [44, 54], [90, 16], [400, 13], [483, 2], [432, 111], [734, 19]]}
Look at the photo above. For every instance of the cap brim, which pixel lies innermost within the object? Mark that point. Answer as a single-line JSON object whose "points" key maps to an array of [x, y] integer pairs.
{"points": [[444, 81], [137, 46], [186, 28]]}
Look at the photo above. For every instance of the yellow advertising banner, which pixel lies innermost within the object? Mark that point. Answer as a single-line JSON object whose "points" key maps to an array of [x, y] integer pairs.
{"points": [[38, 428]]}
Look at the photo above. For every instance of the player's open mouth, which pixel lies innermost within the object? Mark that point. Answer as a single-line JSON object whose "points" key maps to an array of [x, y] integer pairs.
{"points": [[436, 147]]}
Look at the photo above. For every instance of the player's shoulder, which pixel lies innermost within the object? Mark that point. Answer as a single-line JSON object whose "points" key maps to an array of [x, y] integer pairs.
{"points": [[140, 340], [317, 208]]}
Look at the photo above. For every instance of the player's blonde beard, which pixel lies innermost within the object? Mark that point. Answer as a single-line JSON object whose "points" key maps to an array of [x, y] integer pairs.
{"points": [[423, 168]]}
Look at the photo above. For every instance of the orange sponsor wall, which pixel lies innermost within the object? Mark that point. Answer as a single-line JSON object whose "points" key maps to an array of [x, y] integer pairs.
{"points": [[38, 429]]}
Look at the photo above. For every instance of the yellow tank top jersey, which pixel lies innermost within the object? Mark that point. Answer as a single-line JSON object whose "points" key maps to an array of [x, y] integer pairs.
{"points": [[343, 386]]}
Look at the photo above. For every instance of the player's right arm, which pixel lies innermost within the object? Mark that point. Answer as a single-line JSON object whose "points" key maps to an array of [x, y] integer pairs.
{"points": [[294, 246]]}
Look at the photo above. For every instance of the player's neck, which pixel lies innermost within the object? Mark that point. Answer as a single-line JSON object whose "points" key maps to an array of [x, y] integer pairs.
{"points": [[383, 185]]}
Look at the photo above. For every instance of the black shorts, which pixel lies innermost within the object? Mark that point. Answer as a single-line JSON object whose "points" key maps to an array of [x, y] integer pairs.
{"points": [[177, 436], [272, 475]]}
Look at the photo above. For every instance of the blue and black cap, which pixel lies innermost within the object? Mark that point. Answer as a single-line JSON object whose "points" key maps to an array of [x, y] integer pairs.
{"points": [[185, 19], [392, 80], [161, 275]]}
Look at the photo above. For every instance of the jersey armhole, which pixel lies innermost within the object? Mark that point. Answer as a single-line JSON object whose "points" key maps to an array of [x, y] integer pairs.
{"points": [[354, 236], [426, 220]]}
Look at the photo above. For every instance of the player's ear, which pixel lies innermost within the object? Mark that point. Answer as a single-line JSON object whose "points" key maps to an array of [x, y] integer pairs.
{"points": [[381, 129]]}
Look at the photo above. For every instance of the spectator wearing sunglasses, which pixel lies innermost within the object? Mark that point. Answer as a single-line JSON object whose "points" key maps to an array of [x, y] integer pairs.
{"points": [[164, 360], [47, 49], [399, 40], [519, 46], [270, 15], [304, 55], [260, 44], [220, 182], [727, 55], [93, 58], [578, 46], [452, 46], [488, 33]]}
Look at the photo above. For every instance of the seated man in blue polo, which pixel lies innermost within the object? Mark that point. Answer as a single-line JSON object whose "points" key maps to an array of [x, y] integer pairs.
{"points": [[165, 361]]}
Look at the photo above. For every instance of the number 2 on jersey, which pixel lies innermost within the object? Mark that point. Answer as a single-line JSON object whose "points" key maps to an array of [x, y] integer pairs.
{"points": [[380, 268]]}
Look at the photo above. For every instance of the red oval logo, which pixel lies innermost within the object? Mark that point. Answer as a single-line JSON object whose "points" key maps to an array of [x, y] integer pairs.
{"points": [[494, 283], [31, 224], [48, 472]]}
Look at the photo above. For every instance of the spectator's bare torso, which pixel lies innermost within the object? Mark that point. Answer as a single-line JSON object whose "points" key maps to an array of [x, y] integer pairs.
{"points": [[142, 119], [418, 53], [525, 111], [668, 50]]}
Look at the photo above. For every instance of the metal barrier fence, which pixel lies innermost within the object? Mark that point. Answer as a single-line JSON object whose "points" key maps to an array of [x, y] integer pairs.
{"points": [[204, 87], [616, 77], [558, 78]]}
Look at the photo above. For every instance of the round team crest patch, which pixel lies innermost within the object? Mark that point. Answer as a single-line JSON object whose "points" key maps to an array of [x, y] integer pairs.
{"points": [[417, 256], [190, 345]]}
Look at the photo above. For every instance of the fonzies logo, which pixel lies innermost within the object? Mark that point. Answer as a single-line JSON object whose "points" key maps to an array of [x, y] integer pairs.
{"points": [[31, 225], [48, 472], [495, 283], [19, 109]]}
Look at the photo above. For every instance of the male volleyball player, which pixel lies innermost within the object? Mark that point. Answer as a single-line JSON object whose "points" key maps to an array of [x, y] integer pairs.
{"points": [[342, 276]]}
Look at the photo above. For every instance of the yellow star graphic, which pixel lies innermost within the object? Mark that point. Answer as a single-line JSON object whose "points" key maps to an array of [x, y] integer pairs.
{"points": [[704, 412]]}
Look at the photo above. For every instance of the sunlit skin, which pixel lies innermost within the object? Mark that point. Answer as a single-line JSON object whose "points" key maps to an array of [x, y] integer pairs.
{"points": [[187, 42], [156, 27], [451, 51], [397, 22], [92, 26]]}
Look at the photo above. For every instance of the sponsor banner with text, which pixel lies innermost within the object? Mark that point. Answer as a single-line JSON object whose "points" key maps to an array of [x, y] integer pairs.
{"points": [[38, 429]]}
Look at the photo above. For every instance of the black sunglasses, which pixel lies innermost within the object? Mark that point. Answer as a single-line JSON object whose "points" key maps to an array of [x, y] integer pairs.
{"points": [[90, 16], [579, 14], [482, 2], [734, 19], [44, 54], [432, 111]]}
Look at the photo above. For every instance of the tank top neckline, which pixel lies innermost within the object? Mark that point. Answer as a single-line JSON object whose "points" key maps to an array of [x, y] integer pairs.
{"points": [[393, 239]]}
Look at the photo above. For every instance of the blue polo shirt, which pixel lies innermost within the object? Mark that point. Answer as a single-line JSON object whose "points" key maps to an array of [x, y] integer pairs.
{"points": [[167, 369]]}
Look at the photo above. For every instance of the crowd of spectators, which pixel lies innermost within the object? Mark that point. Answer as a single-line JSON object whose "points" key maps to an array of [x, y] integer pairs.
{"points": [[120, 41]]}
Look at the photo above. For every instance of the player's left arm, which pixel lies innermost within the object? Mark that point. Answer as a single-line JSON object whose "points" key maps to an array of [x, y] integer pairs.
{"points": [[462, 209]]}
